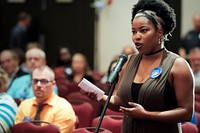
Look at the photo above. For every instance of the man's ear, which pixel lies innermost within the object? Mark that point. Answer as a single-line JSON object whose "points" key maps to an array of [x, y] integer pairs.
{"points": [[17, 61], [54, 82], [44, 62]]}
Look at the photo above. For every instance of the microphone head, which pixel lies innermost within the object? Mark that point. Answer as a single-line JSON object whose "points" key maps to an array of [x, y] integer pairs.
{"points": [[114, 73], [124, 57]]}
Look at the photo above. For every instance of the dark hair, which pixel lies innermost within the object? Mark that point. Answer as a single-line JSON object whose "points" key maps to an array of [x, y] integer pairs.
{"points": [[110, 66], [59, 62], [162, 10]]}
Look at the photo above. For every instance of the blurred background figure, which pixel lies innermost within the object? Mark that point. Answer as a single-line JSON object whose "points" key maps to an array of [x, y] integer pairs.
{"points": [[191, 39], [35, 57], [194, 60], [32, 44], [105, 77], [8, 107], [64, 57], [9, 61], [110, 67], [80, 69], [62, 67], [21, 87], [129, 49], [21, 55], [19, 35]]}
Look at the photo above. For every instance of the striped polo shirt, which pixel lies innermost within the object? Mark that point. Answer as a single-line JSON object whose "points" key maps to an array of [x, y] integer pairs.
{"points": [[8, 109]]}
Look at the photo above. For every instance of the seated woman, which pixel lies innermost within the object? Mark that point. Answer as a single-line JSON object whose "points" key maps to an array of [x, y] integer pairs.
{"points": [[80, 69], [8, 107]]}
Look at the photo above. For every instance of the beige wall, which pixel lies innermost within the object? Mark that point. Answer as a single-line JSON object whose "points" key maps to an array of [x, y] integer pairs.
{"points": [[114, 31], [189, 8], [114, 28]]}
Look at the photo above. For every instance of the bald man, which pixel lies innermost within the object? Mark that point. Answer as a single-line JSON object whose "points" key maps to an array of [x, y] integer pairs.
{"points": [[22, 88], [56, 110]]}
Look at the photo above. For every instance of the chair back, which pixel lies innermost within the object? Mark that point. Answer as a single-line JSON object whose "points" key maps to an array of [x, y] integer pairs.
{"points": [[30, 127], [65, 88], [189, 128], [110, 112], [90, 130], [110, 122], [81, 97], [197, 106], [198, 120], [83, 111]]}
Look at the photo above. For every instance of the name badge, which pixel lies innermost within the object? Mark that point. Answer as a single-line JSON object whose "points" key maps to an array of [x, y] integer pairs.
{"points": [[156, 72]]}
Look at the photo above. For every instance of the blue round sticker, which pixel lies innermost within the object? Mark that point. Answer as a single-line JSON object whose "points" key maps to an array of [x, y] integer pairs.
{"points": [[156, 72]]}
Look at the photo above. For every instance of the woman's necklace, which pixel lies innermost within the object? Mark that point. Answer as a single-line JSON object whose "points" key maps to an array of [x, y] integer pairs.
{"points": [[155, 52]]}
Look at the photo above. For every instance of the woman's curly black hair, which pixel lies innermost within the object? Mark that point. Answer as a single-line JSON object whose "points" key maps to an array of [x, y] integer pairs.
{"points": [[162, 10]]}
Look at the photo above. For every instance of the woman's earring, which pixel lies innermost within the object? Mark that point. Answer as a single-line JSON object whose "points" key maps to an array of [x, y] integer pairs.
{"points": [[159, 41]]}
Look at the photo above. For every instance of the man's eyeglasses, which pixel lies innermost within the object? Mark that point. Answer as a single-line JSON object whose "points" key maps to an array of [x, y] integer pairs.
{"points": [[42, 81]]}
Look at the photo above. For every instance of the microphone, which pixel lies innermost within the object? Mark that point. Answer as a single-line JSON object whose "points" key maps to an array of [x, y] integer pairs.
{"points": [[114, 73]]}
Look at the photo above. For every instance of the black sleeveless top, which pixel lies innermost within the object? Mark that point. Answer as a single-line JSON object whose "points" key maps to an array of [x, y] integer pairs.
{"points": [[169, 94]]}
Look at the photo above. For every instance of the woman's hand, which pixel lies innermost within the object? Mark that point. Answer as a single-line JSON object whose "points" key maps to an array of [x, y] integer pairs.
{"points": [[92, 95], [136, 110]]}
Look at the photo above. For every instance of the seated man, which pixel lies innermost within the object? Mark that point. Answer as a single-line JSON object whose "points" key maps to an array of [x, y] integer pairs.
{"points": [[9, 61], [194, 60], [8, 107], [21, 88], [55, 109]]}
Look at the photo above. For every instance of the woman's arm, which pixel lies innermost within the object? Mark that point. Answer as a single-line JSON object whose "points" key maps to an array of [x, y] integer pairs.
{"points": [[115, 101]]}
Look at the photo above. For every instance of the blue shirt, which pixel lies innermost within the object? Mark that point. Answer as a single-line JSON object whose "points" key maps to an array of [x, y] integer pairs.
{"points": [[8, 109], [22, 88]]}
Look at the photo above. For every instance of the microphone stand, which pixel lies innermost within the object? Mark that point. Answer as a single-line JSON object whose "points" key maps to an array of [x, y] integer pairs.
{"points": [[106, 104]]}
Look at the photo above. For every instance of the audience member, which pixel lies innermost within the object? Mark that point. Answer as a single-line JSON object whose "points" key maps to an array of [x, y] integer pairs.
{"points": [[105, 78], [191, 39], [9, 61], [19, 36], [31, 45], [8, 107], [110, 67], [21, 55], [80, 69], [53, 109], [21, 88], [63, 63], [64, 57], [129, 50], [35, 57], [194, 60]]}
